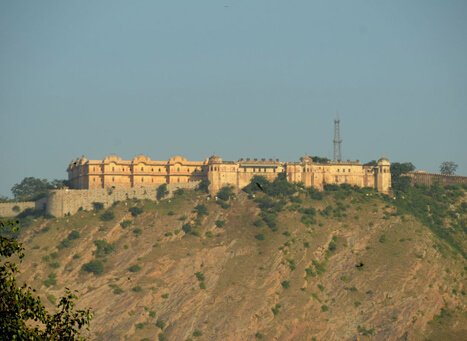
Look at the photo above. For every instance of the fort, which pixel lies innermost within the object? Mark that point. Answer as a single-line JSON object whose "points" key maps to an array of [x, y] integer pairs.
{"points": [[114, 179], [142, 172]]}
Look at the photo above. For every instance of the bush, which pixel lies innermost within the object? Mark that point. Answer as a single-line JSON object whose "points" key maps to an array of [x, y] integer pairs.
{"points": [[197, 333], [201, 210], [51, 280], [324, 308], [260, 236], [97, 206], [103, 248], [73, 235], [276, 309], [95, 266], [140, 325], [16, 208], [124, 224], [179, 192], [200, 276], [135, 211], [137, 231], [160, 324], [65, 243], [382, 239], [134, 268], [204, 186], [220, 223], [161, 192], [107, 216], [285, 284], [137, 289], [225, 193], [187, 228], [258, 223]]}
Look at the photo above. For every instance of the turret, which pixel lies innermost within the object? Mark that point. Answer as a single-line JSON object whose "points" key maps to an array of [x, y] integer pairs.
{"points": [[383, 175]]}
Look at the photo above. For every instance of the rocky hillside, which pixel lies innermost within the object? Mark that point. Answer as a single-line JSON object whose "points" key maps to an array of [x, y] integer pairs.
{"points": [[344, 265]]}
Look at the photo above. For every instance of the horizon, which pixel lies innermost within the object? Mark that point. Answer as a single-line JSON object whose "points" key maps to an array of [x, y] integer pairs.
{"points": [[253, 79]]}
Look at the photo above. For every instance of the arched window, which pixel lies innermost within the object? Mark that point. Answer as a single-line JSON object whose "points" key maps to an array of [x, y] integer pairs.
{"points": [[159, 170], [113, 179], [113, 169], [142, 168], [178, 169], [152, 169], [142, 179]]}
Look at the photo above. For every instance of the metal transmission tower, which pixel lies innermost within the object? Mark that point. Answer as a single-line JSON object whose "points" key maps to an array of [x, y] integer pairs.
{"points": [[337, 141]]}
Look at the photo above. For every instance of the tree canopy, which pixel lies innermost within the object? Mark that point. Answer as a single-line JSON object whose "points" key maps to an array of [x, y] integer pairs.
{"points": [[399, 182], [448, 168], [23, 315], [30, 188]]}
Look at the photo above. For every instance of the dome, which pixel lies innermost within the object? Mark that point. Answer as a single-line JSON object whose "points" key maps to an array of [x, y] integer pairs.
{"points": [[307, 159], [177, 158], [383, 161], [112, 157], [141, 158], [215, 159]]}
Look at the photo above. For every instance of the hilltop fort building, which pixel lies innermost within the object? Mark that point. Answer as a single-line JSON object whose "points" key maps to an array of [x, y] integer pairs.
{"points": [[142, 172]]}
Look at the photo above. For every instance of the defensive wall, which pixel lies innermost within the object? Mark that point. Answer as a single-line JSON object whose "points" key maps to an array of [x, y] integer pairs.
{"points": [[428, 179], [68, 201], [12, 209]]}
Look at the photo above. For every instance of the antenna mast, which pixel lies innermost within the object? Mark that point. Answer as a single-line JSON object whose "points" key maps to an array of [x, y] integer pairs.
{"points": [[337, 141]]}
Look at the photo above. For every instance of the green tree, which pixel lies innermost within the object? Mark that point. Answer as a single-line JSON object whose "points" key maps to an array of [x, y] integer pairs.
{"points": [[30, 189], [400, 182], [203, 186], [225, 193], [20, 308], [448, 168], [161, 192]]}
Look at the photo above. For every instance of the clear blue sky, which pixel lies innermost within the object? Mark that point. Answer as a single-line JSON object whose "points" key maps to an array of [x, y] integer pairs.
{"points": [[241, 78]]}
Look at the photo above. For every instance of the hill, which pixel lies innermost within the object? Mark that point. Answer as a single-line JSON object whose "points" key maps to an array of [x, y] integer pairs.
{"points": [[345, 264]]}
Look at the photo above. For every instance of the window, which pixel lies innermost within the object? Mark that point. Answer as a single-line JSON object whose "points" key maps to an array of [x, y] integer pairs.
{"points": [[142, 179], [142, 168], [113, 179], [159, 170], [244, 170], [178, 169], [152, 169], [113, 169]]}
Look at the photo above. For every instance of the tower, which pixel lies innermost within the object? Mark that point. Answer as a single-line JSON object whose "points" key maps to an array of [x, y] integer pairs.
{"points": [[337, 141]]}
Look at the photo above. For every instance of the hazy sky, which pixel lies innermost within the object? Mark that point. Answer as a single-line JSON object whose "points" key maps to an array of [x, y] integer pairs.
{"points": [[243, 78]]}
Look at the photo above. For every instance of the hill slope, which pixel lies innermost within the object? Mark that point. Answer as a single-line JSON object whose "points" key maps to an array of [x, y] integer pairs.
{"points": [[343, 267]]}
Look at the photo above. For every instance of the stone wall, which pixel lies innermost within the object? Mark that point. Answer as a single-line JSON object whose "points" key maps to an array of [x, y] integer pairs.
{"points": [[429, 179], [69, 201], [7, 211]]}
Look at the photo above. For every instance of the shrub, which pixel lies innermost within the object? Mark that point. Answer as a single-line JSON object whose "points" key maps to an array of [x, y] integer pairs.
{"points": [[95, 266], [137, 231], [324, 308], [285, 284], [220, 223], [107, 216], [16, 208], [124, 224], [258, 223], [170, 213], [179, 192], [276, 309], [103, 248], [306, 245], [51, 280], [140, 325], [260, 236], [187, 228], [161, 192], [200, 276], [197, 333], [73, 235], [137, 289], [97, 206], [224, 205], [160, 324], [258, 335], [203, 186], [54, 265], [134, 268], [202, 285], [382, 238], [165, 296], [65, 243], [201, 210], [152, 314], [225, 193], [135, 211]]}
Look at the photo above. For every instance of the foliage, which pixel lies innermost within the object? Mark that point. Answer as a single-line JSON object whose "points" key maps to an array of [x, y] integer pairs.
{"points": [[95, 266], [187, 228], [161, 192], [448, 168], [107, 216], [20, 307], [203, 186], [399, 182], [160, 324], [124, 224], [199, 276], [31, 189], [220, 223], [135, 211], [51, 280], [317, 159], [285, 284], [103, 248], [134, 268], [225, 193], [276, 309], [137, 231], [97, 206], [201, 210], [137, 289], [73, 235], [279, 187], [260, 236], [197, 333]]}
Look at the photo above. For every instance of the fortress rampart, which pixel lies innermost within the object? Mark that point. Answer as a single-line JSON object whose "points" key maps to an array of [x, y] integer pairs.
{"points": [[68, 201], [428, 179]]}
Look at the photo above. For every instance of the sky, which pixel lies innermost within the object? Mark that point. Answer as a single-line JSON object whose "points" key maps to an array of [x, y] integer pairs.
{"points": [[238, 78]]}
